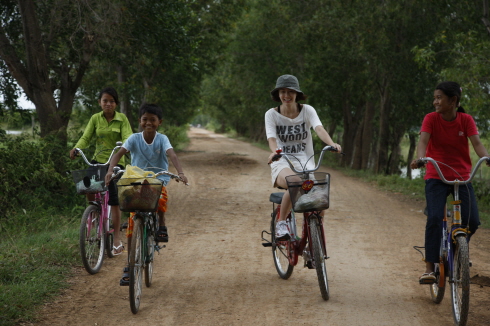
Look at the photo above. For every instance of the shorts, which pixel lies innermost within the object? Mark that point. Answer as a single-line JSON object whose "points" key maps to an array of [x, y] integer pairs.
{"points": [[278, 166], [161, 207]]}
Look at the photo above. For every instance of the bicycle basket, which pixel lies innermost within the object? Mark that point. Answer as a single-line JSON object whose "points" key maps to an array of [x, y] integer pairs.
{"points": [[137, 194], [310, 194], [94, 177]]}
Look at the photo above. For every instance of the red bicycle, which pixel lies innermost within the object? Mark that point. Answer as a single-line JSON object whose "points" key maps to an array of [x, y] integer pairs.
{"points": [[309, 191]]}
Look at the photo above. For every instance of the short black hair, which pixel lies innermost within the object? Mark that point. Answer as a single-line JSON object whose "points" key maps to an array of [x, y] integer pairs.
{"points": [[112, 92], [152, 109]]}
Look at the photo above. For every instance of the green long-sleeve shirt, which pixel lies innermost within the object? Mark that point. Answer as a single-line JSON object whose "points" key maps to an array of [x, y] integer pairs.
{"points": [[107, 134]]}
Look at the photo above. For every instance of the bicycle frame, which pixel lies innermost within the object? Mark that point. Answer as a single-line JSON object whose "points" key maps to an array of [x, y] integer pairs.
{"points": [[299, 243], [104, 214]]}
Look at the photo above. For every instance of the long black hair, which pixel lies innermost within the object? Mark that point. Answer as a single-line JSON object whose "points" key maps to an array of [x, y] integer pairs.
{"points": [[452, 89], [112, 92]]}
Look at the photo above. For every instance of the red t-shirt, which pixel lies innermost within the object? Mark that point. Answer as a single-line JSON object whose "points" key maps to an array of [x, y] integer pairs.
{"points": [[449, 144]]}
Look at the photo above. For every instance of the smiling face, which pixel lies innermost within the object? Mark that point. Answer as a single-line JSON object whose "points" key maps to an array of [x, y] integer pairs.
{"points": [[107, 104], [442, 103], [287, 96], [149, 123]]}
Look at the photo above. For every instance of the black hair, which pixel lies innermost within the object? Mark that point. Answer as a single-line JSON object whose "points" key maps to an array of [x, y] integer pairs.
{"points": [[451, 89], [152, 109], [111, 91], [299, 96]]}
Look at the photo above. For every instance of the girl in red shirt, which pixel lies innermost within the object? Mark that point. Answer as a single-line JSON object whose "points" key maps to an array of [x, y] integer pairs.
{"points": [[444, 137]]}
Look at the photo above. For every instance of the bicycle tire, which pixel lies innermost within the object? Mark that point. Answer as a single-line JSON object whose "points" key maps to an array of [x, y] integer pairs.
{"points": [[109, 235], [281, 250], [150, 250], [460, 285], [136, 265], [92, 244], [319, 256], [438, 289]]}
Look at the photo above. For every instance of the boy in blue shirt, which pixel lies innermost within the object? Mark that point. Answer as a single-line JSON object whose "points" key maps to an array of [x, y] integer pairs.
{"points": [[150, 151]]}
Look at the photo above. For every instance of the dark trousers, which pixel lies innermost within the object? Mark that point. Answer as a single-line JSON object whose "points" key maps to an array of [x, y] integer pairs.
{"points": [[436, 193]]}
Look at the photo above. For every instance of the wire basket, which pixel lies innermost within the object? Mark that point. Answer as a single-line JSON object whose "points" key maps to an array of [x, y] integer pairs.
{"points": [[90, 181], [139, 194], [309, 194]]}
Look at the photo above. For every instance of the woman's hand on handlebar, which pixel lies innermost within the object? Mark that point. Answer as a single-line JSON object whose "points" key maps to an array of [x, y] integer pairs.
{"points": [[337, 147], [274, 157]]}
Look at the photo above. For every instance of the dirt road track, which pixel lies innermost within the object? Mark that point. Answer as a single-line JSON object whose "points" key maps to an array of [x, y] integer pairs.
{"points": [[215, 271]]}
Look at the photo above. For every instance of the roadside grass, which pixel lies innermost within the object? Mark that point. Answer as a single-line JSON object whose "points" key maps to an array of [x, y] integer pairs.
{"points": [[35, 265]]}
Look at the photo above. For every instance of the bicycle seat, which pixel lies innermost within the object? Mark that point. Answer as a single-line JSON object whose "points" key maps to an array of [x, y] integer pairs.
{"points": [[276, 197]]}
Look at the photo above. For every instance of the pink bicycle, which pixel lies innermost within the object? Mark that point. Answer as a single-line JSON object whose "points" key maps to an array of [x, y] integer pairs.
{"points": [[96, 233]]}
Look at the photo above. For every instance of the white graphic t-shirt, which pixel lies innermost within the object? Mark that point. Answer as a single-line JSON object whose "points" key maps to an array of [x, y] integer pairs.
{"points": [[293, 136]]}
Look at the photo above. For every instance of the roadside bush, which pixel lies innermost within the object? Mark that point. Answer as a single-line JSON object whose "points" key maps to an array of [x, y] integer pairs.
{"points": [[29, 178], [177, 135]]}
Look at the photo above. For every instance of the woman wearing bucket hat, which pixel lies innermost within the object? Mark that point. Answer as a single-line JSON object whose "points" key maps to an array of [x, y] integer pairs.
{"points": [[288, 127]]}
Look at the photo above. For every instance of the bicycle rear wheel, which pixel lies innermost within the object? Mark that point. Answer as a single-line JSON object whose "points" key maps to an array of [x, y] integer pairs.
{"points": [[150, 243], [319, 256], [92, 242], [136, 266], [109, 235], [460, 285], [438, 288], [281, 250]]}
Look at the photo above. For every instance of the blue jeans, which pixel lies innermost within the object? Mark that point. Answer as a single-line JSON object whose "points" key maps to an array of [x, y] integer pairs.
{"points": [[436, 193]]}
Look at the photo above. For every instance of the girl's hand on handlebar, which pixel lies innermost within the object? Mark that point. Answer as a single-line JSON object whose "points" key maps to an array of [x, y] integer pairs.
{"points": [[73, 153], [418, 163], [337, 147]]}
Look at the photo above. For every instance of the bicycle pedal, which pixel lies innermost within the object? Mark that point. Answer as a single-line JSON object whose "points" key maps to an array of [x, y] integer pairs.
{"points": [[429, 282], [269, 244]]}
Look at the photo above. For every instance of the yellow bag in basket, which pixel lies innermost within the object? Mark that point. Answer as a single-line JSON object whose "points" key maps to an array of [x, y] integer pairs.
{"points": [[133, 174]]}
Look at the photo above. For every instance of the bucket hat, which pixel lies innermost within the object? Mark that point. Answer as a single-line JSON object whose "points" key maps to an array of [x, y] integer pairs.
{"points": [[287, 81]]}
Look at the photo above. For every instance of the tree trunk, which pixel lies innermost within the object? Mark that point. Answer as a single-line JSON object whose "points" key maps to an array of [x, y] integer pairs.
{"points": [[125, 103], [367, 135], [384, 128], [411, 152]]}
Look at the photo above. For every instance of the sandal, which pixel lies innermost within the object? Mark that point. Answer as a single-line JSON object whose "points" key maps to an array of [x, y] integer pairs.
{"points": [[427, 278], [125, 277], [117, 250], [162, 235]]}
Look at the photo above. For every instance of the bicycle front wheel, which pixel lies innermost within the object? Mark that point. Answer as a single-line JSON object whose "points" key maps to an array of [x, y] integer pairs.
{"points": [[438, 288], [109, 235], [136, 265], [319, 256], [150, 243], [281, 250], [460, 285], [91, 240]]}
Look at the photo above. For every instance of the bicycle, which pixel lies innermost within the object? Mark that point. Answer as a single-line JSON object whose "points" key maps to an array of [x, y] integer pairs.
{"points": [[95, 233], [141, 197], [454, 255], [309, 191]]}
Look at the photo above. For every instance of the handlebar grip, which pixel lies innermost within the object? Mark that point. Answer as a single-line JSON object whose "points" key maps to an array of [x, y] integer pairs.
{"points": [[276, 157]]}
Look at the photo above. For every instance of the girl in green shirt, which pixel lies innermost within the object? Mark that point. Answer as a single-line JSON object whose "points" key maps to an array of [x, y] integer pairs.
{"points": [[109, 127]]}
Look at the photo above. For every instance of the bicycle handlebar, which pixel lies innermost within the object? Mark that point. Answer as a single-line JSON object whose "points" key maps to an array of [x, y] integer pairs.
{"points": [[422, 161], [286, 156], [79, 151]]}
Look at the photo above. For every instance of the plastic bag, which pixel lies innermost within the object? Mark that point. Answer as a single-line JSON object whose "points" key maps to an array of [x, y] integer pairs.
{"points": [[95, 186], [134, 174], [315, 199]]}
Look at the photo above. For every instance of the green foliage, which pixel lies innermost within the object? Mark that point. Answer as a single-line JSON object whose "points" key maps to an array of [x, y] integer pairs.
{"points": [[34, 263], [30, 177], [176, 134]]}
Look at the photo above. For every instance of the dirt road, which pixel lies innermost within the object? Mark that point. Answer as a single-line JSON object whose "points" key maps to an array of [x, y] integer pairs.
{"points": [[215, 271]]}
